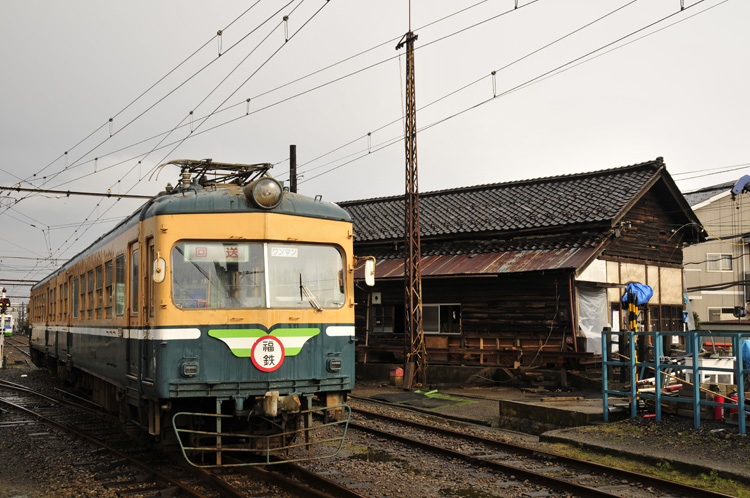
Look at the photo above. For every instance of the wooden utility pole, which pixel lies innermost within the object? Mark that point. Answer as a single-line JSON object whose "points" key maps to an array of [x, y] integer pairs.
{"points": [[415, 361]]}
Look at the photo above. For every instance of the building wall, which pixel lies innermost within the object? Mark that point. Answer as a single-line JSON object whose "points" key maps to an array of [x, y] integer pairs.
{"points": [[484, 319], [613, 276], [714, 268]]}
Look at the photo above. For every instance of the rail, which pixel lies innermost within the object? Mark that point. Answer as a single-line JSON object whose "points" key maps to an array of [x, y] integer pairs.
{"points": [[660, 365]]}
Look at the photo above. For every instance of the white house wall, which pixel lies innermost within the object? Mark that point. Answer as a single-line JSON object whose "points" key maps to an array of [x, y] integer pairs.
{"points": [[727, 223]]}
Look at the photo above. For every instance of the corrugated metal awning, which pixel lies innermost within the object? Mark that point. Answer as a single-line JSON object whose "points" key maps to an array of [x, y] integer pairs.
{"points": [[491, 263]]}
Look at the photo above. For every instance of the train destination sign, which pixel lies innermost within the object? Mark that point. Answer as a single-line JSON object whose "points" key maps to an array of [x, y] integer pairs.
{"points": [[208, 252]]}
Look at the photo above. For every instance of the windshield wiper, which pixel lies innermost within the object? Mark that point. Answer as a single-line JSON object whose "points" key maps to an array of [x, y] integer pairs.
{"points": [[304, 292]]}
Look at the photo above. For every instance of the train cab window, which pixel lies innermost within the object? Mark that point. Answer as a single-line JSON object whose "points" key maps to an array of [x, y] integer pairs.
{"points": [[305, 275], [108, 289], [99, 303], [134, 280], [255, 275], [120, 285], [75, 297], [218, 275]]}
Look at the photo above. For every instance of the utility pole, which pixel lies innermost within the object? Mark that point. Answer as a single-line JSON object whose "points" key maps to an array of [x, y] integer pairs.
{"points": [[293, 169], [415, 360]]}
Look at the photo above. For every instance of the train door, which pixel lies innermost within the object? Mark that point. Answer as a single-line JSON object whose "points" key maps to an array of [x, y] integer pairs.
{"points": [[68, 312], [147, 318], [132, 311]]}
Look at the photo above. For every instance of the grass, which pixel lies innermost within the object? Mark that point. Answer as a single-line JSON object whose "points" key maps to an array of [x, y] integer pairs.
{"points": [[662, 470]]}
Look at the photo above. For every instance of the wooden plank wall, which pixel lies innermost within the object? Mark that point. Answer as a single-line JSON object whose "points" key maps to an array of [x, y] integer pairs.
{"points": [[650, 236], [505, 320]]}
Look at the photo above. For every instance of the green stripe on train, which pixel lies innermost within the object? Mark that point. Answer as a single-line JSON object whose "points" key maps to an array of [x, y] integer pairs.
{"points": [[292, 339]]}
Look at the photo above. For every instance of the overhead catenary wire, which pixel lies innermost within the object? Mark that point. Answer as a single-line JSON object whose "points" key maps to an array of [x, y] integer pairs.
{"points": [[136, 165], [154, 85], [373, 148], [181, 141], [557, 70], [311, 74]]}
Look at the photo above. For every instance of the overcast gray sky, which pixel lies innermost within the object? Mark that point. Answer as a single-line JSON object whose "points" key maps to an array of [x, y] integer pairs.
{"points": [[624, 82]]}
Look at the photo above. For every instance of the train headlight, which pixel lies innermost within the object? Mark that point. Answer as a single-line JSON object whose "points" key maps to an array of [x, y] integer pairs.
{"points": [[265, 193], [189, 369], [333, 365]]}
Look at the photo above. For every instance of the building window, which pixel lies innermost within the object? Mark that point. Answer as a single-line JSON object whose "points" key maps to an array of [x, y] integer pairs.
{"points": [[441, 318], [717, 314], [383, 318], [718, 262]]}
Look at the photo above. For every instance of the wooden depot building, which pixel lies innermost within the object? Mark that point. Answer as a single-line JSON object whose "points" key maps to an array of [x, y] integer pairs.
{"points": [[526, 273]]}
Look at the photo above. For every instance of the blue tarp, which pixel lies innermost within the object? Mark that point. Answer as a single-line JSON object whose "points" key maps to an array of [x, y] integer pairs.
{"points": [[641, 292], [745, 354]]}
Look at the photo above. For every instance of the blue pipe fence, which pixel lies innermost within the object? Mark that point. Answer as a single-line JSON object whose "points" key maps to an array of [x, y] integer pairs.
{"points": [[658, 364]]}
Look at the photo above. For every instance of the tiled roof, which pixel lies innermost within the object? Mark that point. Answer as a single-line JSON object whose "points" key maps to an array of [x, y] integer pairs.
{"points": [[698, 196], [586, 198]]}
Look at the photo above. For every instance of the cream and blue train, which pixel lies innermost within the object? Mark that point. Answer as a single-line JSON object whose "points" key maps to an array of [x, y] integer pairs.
{"points": [[220, 314]]}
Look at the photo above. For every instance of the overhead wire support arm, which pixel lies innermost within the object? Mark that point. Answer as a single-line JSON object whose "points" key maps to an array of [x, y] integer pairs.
{"points": [[68, 193]]}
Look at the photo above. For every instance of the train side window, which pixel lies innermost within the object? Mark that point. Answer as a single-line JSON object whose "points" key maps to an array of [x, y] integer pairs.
{"points": [[75, 297], [83, 296], [120, 285], [108, 289], [65, 301], [99, 304], [90, 303], [60, 302], [134, 280], [51, 304]]}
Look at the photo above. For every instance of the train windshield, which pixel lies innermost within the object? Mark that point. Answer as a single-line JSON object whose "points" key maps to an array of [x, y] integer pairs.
{"points": [[256, 275]]}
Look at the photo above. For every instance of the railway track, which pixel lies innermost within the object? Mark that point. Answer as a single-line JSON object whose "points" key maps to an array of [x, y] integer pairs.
{"points": [[125, 467], [555, 473]]}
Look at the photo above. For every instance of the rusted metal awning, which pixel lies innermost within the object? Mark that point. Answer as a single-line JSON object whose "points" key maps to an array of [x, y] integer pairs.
{"points": [[491, 263]]}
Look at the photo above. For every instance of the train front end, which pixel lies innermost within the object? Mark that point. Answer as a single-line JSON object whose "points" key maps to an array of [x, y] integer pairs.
{"points": [[248, 323]]}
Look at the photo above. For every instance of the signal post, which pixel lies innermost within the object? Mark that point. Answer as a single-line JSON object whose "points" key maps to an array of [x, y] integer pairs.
{"points": [[4, 305]]}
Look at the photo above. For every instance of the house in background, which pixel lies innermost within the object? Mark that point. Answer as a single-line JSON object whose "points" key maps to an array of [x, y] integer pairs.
{"points": [[525, 273], [716, 271]]}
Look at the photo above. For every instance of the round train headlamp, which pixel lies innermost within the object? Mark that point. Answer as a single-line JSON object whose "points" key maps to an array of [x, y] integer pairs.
{"points": [[265, 193]]}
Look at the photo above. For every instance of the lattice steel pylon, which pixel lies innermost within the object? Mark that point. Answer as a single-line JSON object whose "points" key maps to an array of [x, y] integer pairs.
{"points": [[415, 358]]}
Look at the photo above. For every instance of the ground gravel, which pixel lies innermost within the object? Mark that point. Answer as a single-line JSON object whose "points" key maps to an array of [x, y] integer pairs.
{"points": [[35, 464], [37, 460]]}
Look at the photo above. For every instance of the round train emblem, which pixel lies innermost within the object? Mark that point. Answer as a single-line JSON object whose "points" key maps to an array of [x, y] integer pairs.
{"points": [[267, 354]]}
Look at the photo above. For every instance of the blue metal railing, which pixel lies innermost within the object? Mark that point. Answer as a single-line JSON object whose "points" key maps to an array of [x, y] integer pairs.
{"points": [[659, 364]]}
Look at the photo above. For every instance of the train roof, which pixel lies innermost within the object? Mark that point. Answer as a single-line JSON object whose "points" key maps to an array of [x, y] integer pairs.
{"points": [[230, 199], [221, 198]]}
